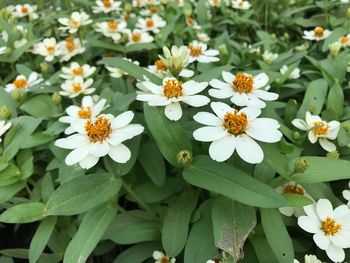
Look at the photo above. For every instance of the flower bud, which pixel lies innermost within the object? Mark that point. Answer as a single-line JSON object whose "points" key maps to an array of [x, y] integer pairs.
{"points": [[5, 112], [16, 95], [296, 135], [184, 157], [45, 67], [223, 49], [127, 7], [334, 48], [56, 98], [348, 13], [333, 155], [301, 165]]}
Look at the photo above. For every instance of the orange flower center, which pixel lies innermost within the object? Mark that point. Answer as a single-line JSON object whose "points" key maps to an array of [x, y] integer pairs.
{"points": [[235, 123], [344, 40], [112, 25], [20, 83], [78, 71], [154, 9], [136, 36], [160, 65], [24, 10], [99, 130], [165, 260], [50, 48], [318, 31], [149, 22], [76, 87], [73, 23], [293, 189], [107, 4], [195, 51], [189, 21], [85, 112], [330, 227], [243, 83], [172, 88], [320, 128], [70, 46]]}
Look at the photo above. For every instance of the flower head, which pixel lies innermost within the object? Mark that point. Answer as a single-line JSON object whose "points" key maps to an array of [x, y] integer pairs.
{"points": [[22, 83], [295, 74], [138, 36], [197, 51], [74, 87], [106, 6], [73, 23], [76, 70], [112, 29], [25, 10], [319, 33], [152, 24], [240, 4], [48, 48], [70, 47], [160, 257], [176, 59]]}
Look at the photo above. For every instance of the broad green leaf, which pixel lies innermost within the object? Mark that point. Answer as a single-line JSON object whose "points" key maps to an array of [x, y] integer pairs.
{"points": [[138, 253], [6, 100], [41, 106], [141, 46], [90, 232], [322, 190], [169, 136], [23, 213], [274, 159], [262, 249], [335, 100], [201, 11], [15, 252], [231, 182], [106, 45], [10, 175], [336, 34], [323, 169], [17, 53], [212, 73], [41, 237], [176, 223], [277, 235], [4, 259], [295, 200], [25, 163], [8, 191], [82, 193]]}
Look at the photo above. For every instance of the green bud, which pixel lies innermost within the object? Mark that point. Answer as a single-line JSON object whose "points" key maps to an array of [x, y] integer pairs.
{"points": [[346, 126], [184, 157], [45, 67], [301, 165], [334, 48], [273, 36], [223, 49], [16, 95], [348, 13], [286, 35], [56, 98], [5, 112], [296, 135], [127, 7], [333, 155]]}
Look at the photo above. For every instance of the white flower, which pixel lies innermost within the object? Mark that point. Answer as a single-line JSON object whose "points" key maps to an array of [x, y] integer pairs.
{"points": [[309, 259], [112, 29], [137, 36], [176, 59], [18, 43], [269, 57], [210, 261], [254, 50], [346, 195], [104, 135], [295, 74], [152, 24], [240, 4], [159, 68], [4, 127], [243, 89], [317, 34], [117, 72], [232, 130], [203, 37], [344, 40], [106, 6], [74, 87], [75, 70], [331, 228], [87, 111], [73, 23], [216, 3], [197, 51], [319, 129], [171, 93], [3, 50], [25, 10], [160, 257], [48, 48], [22, 83], [70, 47]]}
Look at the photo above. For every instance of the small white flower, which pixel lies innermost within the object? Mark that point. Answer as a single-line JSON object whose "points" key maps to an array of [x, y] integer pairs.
{"points": [[344, 40], [203, 37], [317, 34], [215, 3], [87, 111], [3, 50], [4, 127], [331, 228], [48, 48], [25, 10], [112, 29], [137, 36], [269, 57], [171, 93], [22, 83], [152, 24], [254, 50], [70, 47], [346, 195], [232, 130], [160, 257], [319, 129], [198, 52], [309, 259], [117, 72], [104, 135], [210, 261], [75, 70], [240, 4], [73, 23], [106, 6], [74, 87], [176, 59], [295, 74], [243, 89]]}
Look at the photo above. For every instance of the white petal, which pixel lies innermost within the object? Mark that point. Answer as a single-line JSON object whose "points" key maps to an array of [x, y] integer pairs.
{"points": [[252, 113], [209, 134], [173, 111], [333, 130], [159, 101], [122, 119], [218, 84], [99, 149], [186, 73], [248, 149], [310, 210], [228, 77], [192, 87], [260, 80], [222, 149], [98, 107], [88, 162], [324, 209], [72, 142], [153, 87], [87, 101], [220, 109], [312, 137], [120, 153], [207, 118], [125, 133], [240, 99], [327, 145], [300, 124], [265, 95], [321, 240], [265, 130], [309, 224], [336, 254], [221, 93], [77, 155], [196, 100], [310, 119]]}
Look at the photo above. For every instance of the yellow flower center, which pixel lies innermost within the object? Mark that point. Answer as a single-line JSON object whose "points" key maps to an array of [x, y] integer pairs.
{"points": [[73, 23], [235, 123], [107, 4], [172, 88], [149, 22], [50, 48], [195, 51], [165, 260], [112, 25], [319, 31], [293, 189], [99, 130], [76, 87], [154, 9], [136, 36], [70, 46], [84, 112], [24, 10], [243, 83], [344, 40], [160, 65], [189, 21], [330, 227], [320, 128], [78, 71], [20, 83]]}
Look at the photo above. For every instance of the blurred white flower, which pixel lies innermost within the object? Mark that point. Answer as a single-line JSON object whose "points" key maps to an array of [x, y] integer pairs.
{"points": [[344, 40], [74, 87], [19, 43], [70, 47], [269, 57], [309, 259], [106, 6], [295, 74], [215, 3], [152, 24], [73, 23], [112, 29], [319, 33], [198, 52], [3, 50], [75, 70], [240, 4], [203, 37], [4, 127], [23, 83], [137, 36], [48, 48], [25, 10], [160, 257]]}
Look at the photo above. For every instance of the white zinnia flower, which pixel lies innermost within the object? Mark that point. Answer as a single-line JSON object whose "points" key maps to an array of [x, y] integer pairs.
{"points": [[48, 48], [74, 87], [23, 83], [73, 23], [309, 259], [240, 4], [216, 3], [232, 130], [117, 72], [104, 135], [295, 74], [70, 47], [25, 10], [344, 40], [319, 33], [331, 228], [87, 111], [112, 29], [137, 36], [203, 37], [243, 89], [319, 129], [171, 93], [269, 57], [152, 24], [4, 127], [160, 257], [198, 52], [75, 70], [106, 6], [176, 59]]}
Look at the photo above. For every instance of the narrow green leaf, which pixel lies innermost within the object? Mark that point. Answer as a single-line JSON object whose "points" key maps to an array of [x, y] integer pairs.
{"points": [[295, 200], [6, 100], [8, 191], [138, 253], [335, 100], [23, 213]]}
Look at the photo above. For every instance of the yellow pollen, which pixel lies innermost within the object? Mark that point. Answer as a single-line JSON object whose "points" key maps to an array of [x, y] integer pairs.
{"points": [[172, 88], [344, 40], [78, 71], [235, 123], [84, 112], [107, 4], [99, 130], [160, 65], [293, 189], [195, 51], [70, 46], [76, 87], [24, 10], [20, 83], [112, 25], [330, 227], [50, 48], [243, 83], [318, 31], [165, 260], [149, 22], [189, 21], [136, 36], [320, 128], [74, 23]]}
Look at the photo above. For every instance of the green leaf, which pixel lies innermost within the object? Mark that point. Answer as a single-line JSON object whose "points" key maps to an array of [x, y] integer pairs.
{"points": [[41, 237], [10, 175], [323, 169], [176, 223], [335, 100], [201, 11], [138, 253], [212, 73], [23, 213], [231, 182], [141, 46], [6, 100], [8, 191], [106, 45], [41, 106], [262, 249], [277, 235], [25, 163], [82, 193], [167, 133], [295, 200], [90, 232]]}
